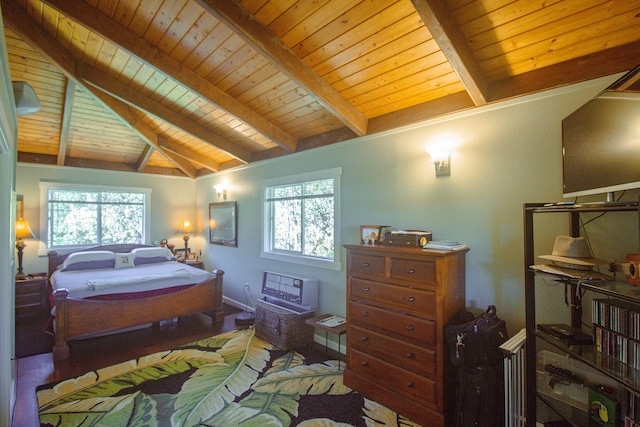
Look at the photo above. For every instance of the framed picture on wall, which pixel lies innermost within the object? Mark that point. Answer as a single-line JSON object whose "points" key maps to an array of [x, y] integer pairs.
{"points": [[19, 207], [223, 223]]}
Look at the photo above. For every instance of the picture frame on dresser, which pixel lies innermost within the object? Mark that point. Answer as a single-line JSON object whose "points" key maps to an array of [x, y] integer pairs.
{"points": [[384, 229], [369, 234]]}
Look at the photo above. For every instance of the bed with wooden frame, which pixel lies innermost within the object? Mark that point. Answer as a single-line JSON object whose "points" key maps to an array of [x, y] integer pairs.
{"points": [[77, 318]]}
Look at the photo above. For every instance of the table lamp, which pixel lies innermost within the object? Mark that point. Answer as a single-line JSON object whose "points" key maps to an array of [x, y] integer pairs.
{"points": [[22, 232], [186, 227]]}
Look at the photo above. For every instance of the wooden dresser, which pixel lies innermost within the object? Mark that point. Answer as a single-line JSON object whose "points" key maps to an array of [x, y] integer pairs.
{"points": [[398, 301]]}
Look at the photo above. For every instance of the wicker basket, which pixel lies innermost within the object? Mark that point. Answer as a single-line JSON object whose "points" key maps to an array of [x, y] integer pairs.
{"points": [[281, 327]]}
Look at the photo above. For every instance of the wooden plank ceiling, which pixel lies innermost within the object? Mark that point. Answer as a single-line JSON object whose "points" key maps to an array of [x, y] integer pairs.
{"points": [[191, 87]]}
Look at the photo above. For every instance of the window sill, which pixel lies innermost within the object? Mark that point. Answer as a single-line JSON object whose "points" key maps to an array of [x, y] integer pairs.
{"points": [[302, 260]]}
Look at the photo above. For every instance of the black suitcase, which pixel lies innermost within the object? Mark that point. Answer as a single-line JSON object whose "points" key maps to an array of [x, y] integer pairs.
{"points": [[473, 344], [480, 396], [475, 341]]}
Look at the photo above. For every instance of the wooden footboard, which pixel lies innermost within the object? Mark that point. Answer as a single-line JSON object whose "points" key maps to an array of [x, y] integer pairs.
{"points": [[79, 318]]}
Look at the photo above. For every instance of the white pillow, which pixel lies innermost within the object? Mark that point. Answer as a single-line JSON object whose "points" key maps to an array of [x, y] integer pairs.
{"points": [[89, 256], [124, 260], [89, 260], [152, 253]]}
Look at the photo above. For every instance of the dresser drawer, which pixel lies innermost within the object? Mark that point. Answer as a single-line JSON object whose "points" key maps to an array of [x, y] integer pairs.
{"points": [[407, 300], [408, 384], [28, 299], [29, 287], [367, 265], [421, 331], [31, 296], [420, 360], [417, 272]]}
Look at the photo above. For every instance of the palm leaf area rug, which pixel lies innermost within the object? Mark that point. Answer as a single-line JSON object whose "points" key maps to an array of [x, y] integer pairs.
{"points": [[232, 379]]}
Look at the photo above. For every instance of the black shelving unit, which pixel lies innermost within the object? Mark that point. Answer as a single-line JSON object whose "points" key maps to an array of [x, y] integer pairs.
{"points": [[620, 372]]}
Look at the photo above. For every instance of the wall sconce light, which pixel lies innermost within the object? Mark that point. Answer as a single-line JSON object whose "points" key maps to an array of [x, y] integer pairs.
{"points": [[23, 231], [441, 157], [186, 227], [221, 189]]}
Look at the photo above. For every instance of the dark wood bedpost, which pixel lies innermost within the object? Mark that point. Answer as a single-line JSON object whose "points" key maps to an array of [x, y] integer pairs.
{"points": [[61, 348], [218, 311]]}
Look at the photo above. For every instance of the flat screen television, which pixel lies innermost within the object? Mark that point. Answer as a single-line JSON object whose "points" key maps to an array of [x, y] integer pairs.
{"points": [[601, 142]]}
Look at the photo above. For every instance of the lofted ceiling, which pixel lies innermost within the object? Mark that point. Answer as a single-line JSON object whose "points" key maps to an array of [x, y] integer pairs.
{"points": [[193, 87]]}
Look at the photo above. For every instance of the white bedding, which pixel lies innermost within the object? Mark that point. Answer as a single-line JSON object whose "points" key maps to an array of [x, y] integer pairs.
{"points": [[164, 274]]}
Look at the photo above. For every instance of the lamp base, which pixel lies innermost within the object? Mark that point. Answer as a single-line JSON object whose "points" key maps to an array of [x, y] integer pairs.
{"points": [[22, 276], [245, 318], [443, 167]]}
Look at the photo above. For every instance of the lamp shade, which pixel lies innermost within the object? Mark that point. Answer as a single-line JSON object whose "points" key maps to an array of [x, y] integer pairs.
{"points": [[23, 230], [439, 153], [186, 226], [26, 99]]}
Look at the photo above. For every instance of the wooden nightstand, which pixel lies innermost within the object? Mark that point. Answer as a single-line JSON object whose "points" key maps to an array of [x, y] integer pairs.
{"points": [[197, 264], [31, 295]]}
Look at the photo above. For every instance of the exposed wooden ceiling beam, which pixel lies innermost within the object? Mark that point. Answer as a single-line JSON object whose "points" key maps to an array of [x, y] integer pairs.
{"points": [[419, 113], [144, 158], [66, 118], [187, 153], [138, 100], [271, 47], [31, 32], [34, 34], [599, 64], [408, 116], [452, 42], [144, 51], [309, 143], [128, 115], [48, 159]]}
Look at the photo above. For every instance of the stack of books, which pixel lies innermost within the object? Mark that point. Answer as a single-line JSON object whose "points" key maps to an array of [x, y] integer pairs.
{"points": [[444, 245]]}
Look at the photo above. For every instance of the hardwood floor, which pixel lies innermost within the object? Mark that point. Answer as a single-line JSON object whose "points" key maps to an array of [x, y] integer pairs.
{"points": [[91, 354]]}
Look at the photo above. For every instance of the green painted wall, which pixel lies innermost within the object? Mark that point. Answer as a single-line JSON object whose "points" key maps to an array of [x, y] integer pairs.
{"points": [[508, 154]]}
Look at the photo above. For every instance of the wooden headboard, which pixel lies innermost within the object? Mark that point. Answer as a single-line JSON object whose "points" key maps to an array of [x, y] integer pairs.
{"points": [[56, 259]]}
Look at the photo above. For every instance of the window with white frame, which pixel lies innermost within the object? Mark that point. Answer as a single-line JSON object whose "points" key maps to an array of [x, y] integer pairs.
{"points": [[301, 218], [86, 215]]}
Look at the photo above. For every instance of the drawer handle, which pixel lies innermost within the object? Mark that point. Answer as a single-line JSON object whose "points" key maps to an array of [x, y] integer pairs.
{"points": [[365, 289], [409, 327], [410, 384], [410, 355], [365, 363], [410, 271], [364, 339], [364, 314], [365, 264], [411, 299]]}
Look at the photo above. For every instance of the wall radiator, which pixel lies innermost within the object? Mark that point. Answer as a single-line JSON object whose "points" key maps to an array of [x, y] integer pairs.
{"points": [[514, 380]]}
